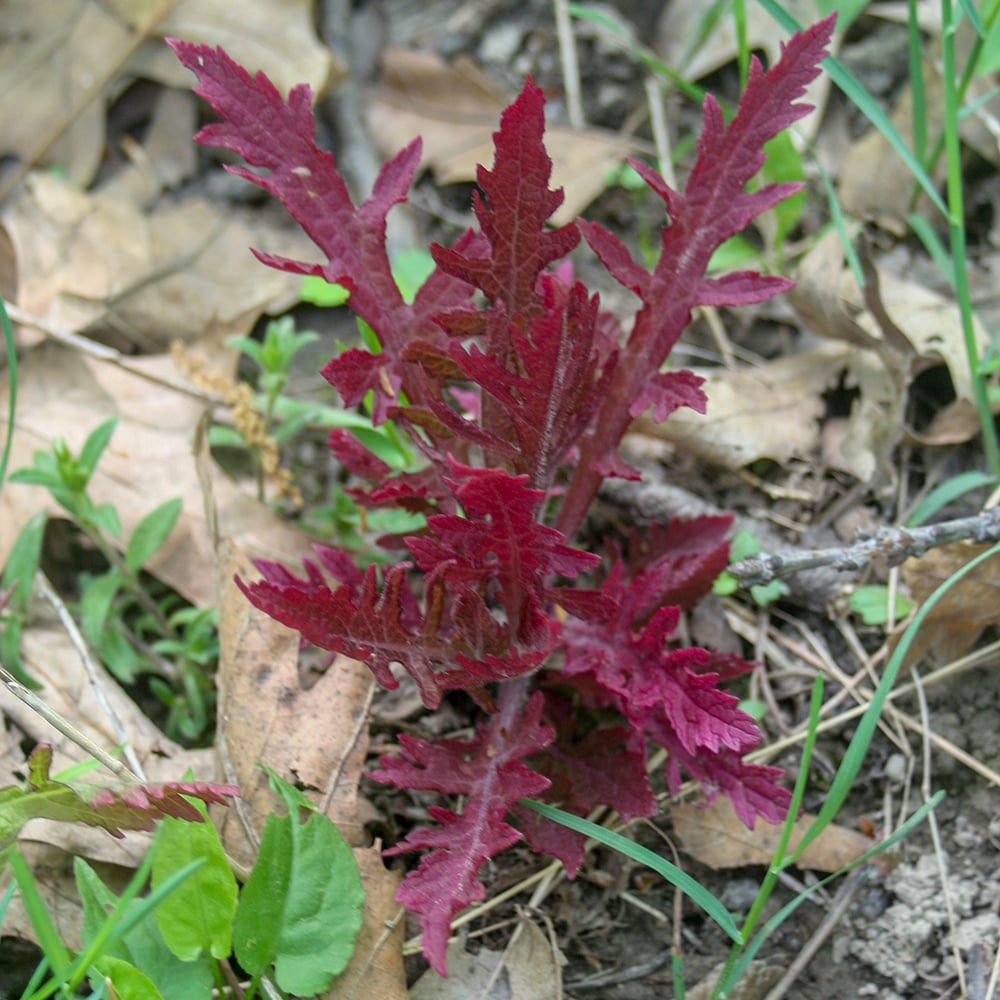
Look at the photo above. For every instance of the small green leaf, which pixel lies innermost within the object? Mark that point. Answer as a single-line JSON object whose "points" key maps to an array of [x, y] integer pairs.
{"points": [[198, 915], [411, 268], [784, 165], [765, 593], [871, 602], [151, 532], [22, 563], [104, 516], [128, 982], [320, 292], [97, 596], [300, 910], [94, 446]]}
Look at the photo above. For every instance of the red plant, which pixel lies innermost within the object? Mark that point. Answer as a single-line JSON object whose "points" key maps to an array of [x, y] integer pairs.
{"points": [[518, 408]]}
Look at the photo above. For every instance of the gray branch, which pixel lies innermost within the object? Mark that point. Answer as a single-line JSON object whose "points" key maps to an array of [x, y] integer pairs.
{"points": [[891, 544]]}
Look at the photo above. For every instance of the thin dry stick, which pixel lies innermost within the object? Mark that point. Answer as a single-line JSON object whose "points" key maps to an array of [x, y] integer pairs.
{"points": [[54, 719], [570, 64], [892, 544], [103, 353], [46, 141], [925, 787], [837, 910], [93, 675]]}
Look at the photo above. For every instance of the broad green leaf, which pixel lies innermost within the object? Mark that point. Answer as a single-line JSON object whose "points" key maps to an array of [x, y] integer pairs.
{"points": [[199, 915], [300, 910], [95, 444], [320, 292], [783, 165], [35, 476], [143, 945], [127, 981], [151, 532], [411, 268]]}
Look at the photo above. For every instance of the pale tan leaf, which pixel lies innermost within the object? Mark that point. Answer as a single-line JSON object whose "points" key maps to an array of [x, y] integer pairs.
{"points": [[143, 277], [455, 109], [317, 734], [715, 836], [54, 55], [952, 627], [769, 411]]}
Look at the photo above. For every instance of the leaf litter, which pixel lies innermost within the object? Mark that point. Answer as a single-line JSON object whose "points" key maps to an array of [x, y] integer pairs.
{"points": [[83, 292]]}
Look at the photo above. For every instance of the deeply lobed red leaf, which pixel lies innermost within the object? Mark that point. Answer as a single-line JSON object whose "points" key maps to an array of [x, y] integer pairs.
{"points": [[518, 409], [490, 772]]}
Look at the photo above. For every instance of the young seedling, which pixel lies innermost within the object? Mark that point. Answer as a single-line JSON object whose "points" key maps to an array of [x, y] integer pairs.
{"points": [[135, 625], [517, 408]]}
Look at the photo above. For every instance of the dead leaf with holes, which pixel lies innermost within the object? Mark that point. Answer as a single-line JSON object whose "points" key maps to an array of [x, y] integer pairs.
{"points": [[895, 328], [970, 605], [714, 835], [455, 109], [63, 61]]}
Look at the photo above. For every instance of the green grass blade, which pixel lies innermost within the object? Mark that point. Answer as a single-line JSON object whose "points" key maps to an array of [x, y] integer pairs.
{"points": [[866, 104], [858, 747], [674, 875], [748, 954], [8, 337], [49, 939], [946, 492]]}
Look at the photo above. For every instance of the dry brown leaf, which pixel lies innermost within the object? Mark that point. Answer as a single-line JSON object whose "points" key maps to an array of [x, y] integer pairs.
{"points": [[376, 967], [144, 278], [715, 836], [317, 735], [682, 43], [455, 109], [529, 971], [54, 52], [827, 298], [952, 627], [873, 181], [770, 411]]}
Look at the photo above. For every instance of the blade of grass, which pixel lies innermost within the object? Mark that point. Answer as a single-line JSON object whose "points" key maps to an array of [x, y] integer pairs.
{"points": [[674, 875], [866, 104], [789, 908], [956, 232], [8, 337], [855, 754], [49, 939], [950, 489], [918, 91]]}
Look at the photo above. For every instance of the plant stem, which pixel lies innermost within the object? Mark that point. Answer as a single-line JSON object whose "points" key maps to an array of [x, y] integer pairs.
{"points": [[956, 232]]}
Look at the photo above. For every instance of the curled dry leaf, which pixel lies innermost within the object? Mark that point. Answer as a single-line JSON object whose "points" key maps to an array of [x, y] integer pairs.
{"points": [[100, 263], [895, 329], [952, 627], [455, 108], [714, 835], [55, 53]]}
